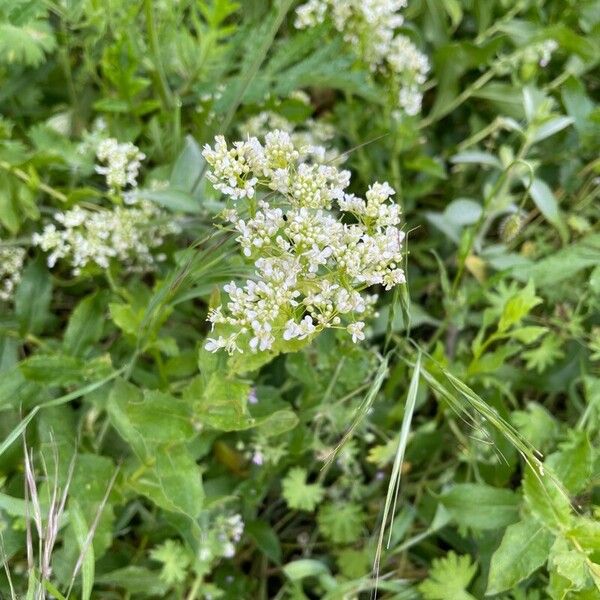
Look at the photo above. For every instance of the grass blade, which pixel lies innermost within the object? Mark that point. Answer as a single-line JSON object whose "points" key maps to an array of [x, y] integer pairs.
{"points": [[394, 487], [361, 411]]}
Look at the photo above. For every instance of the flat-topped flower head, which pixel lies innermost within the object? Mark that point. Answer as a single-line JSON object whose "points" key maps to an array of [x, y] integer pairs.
{"points": [[315, 248], [127, 234]]}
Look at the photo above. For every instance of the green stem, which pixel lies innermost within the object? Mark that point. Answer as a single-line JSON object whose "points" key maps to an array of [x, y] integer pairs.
{"points": [[163, 87], [23, 176]]}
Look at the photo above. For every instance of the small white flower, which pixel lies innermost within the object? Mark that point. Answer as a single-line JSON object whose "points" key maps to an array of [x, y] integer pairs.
{"points": [[11, 265], [356, 331], [123, 163]]}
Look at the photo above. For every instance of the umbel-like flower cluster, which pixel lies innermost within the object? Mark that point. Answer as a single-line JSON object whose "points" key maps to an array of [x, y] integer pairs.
{"points": [[94, 235], [85, 236], [311, 135], [11, 265], [370, 26], [315, 247]]}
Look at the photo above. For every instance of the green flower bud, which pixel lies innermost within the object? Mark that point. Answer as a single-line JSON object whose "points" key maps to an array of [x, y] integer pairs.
{"points": [[511, 227]]}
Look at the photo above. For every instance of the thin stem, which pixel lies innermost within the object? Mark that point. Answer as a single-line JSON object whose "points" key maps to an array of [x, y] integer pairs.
{"points": [[163, 87], [23, 176]]}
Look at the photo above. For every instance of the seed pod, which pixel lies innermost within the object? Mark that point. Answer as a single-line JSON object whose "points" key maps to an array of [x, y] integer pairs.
{"points": [[510, 227]]}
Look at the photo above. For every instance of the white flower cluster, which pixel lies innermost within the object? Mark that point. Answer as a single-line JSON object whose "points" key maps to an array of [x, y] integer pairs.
{"points": [[122, 163], [370, 26], [315, 247], [85, 236], [220, 539], [11, 265], [310, 138]]}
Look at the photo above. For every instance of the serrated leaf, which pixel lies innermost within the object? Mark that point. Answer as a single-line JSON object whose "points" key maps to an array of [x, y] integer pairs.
{"points": [[298, 493], [342, 522], [449, 578]]}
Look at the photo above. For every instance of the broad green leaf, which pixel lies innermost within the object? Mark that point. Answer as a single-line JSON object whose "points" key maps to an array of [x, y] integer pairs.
{"points": [[188, 166], [546, 202], [477, 157], [463, 211], [149, 419], [33, 296], [61, 370], [341, 522], [85, 326], [573, 464], [547, 502], [303, 568], [496, 507], [551, 127], [173, 482], [569, 563], [173, 200], [135, 580], [265, 539], [523, 549], [224, 404]]}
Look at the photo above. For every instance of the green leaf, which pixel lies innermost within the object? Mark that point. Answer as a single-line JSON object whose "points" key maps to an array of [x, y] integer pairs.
{"points": [[298, 493], [569, 564], [496, 507], [188, 167], [551, 127], [33, 296], [342, 522], [81, 529], [224, 404], [563, 264], [547, 502], [523, 549], [85, 326], [173, 200], [546, 202], [61, 370], [477, 157], [574, 463], [135, 580], [265, 539], [449, 578], [175, 561], [149, 419], [303, 568], [28, 42], [518, 307], [528, 335], [173, 482]]}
